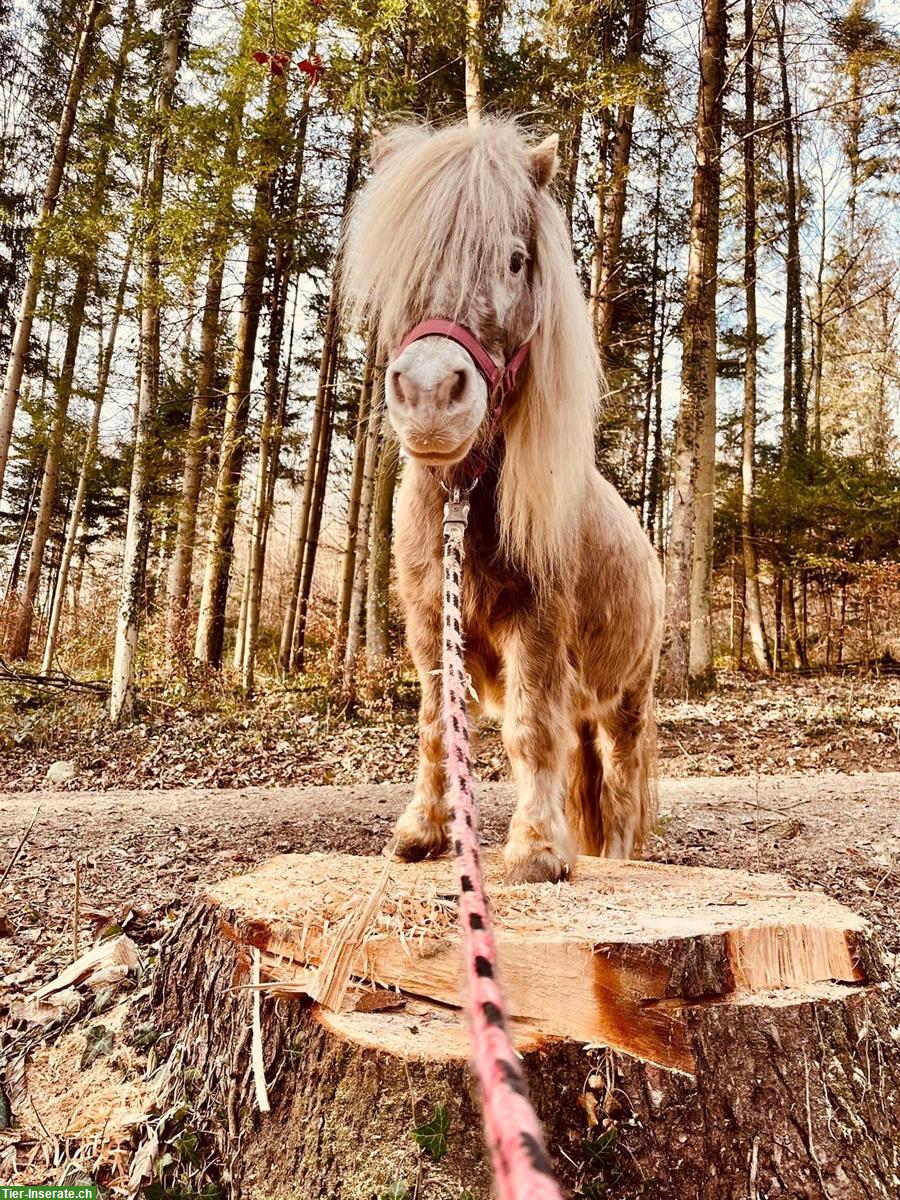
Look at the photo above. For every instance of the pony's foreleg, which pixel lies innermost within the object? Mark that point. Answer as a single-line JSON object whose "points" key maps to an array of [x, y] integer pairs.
{"points": [[422, 829], [538, 736]]}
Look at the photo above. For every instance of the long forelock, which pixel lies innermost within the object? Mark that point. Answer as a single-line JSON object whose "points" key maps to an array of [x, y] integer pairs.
{"points": [[433, 225]]}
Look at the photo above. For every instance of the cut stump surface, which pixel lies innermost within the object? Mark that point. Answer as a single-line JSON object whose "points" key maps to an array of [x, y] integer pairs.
{"points": [[685, 1032], [609, 958]]}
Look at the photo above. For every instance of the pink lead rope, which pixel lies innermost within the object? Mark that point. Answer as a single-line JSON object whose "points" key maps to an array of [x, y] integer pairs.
{"points": [[513, 1132], [514, 1136]]}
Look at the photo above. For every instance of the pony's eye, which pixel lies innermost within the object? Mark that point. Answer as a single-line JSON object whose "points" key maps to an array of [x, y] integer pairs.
{"points": [[517, 262]]}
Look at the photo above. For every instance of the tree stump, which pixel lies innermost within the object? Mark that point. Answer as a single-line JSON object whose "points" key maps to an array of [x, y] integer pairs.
{"points": [[685, 1032]]}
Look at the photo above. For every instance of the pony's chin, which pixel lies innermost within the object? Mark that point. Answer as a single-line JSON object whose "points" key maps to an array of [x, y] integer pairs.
{"points": [[441, 458]]}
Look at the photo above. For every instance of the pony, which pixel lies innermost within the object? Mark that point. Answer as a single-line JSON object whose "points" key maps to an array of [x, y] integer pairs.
{"points": [[562, 593]]}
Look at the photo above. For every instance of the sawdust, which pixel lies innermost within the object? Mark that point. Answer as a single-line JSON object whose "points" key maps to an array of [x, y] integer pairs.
{"points": [[93, 1111]]}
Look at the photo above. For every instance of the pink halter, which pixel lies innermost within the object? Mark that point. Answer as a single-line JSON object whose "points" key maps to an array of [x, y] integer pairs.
{"points": [[500, 382]]}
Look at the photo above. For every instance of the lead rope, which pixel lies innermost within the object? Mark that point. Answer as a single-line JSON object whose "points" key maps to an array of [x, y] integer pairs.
{"points": [[513, 1132]]}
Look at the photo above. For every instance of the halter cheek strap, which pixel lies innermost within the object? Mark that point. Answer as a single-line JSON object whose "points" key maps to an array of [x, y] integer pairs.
{"points": [[500, 382]]}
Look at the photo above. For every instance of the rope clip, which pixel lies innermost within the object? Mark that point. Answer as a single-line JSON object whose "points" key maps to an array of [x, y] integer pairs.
{"points": [[456, 509]]}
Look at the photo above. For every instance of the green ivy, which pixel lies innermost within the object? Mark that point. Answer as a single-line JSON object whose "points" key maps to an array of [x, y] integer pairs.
{"points": [[432, 1136]]}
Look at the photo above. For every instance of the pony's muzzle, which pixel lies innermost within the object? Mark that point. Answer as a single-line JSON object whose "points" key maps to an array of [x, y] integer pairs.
{"points": [[436, 400]]}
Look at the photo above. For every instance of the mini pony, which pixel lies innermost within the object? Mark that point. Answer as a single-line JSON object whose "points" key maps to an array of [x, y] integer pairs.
{"points": [[562, 591]]}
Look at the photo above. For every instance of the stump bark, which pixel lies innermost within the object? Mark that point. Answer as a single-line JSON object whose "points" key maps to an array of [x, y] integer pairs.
{"points": [[685, 1033]]}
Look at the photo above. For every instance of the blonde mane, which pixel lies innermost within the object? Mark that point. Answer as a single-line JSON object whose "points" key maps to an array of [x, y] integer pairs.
{"points": [[431, 226]]}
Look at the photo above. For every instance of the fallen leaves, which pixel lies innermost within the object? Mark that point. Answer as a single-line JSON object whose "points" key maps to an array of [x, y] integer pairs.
{"points": [[285, 738]]}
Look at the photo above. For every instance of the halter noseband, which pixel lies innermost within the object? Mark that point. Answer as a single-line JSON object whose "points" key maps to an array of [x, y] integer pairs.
{"points": [[500, 382]]}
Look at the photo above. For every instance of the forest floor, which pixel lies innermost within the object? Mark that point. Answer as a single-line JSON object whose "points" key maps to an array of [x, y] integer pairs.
{"points": [[205, 735]]}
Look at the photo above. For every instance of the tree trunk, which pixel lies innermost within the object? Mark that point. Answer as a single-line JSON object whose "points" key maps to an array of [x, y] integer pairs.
{"points": [[792, 632], [474, 60], [378, 642], [655, 503], [573, 159], [842, 625], [280, 422], [348, 561], [315, 519], [777, 1067], [220, 538], [289, 624], [87, 466], [21, 635], [654, 348], [701, 652], [240, 632], [600, 199], [274, 400], [696, 415], [794, 431], [818, 326], [15, 368], [356, 616], [180, 571], [289, 627], [32, 488], [137, 531], [753, 598], [246, 639], [179, 583], [87, 266], [618, 185]]}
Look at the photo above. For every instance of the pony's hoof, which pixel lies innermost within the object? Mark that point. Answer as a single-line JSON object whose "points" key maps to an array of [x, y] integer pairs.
{"points": [[536, 866], [414, 840]]}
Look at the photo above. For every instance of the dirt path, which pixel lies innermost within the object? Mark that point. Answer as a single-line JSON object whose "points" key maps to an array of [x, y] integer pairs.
{"points": [[144, 852]]}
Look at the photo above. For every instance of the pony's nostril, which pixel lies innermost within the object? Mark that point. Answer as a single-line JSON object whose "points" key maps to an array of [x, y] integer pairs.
{"points": [[399, 391], [458, 386]]}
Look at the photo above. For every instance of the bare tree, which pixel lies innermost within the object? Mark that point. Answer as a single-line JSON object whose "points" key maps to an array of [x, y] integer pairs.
{"points": [[696, 415], [474, 60], [137, 531], [87, 466], [16, 366], [21, 636], [753, 599]]}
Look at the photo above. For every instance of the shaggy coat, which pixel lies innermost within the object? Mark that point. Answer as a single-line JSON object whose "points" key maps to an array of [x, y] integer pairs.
{"points": [[562, 591]]}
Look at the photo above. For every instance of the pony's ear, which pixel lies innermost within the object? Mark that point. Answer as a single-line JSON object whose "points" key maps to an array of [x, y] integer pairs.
{"points": [[542, 160]]}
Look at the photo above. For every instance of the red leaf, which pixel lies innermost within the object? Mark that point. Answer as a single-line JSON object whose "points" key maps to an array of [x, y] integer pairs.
{"points": [[312, 67], [278, 62], [260, 56]]}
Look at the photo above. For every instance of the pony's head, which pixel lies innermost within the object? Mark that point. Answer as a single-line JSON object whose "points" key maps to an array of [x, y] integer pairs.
{"points": [[459, 224]]}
